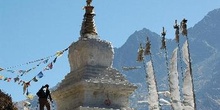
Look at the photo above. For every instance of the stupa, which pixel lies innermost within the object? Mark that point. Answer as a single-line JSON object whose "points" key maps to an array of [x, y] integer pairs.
{"points": [[92, 83]]}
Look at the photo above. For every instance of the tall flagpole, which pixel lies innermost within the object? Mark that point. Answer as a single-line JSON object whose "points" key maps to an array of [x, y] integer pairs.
{"points": [[151, 60], [176, 27], [163, 41], [184, 33], [164, 47], [153, 98]]}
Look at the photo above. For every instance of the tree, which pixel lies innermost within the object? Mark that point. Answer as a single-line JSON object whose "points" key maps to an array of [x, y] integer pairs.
{"points": [[6, 102]]}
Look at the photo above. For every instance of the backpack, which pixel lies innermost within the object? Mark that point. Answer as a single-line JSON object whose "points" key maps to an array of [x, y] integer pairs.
{"points": [[40, 93]]}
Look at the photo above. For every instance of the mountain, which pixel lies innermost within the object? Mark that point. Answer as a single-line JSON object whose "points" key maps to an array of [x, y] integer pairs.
{"points": [[206, 35], [205, 54]]}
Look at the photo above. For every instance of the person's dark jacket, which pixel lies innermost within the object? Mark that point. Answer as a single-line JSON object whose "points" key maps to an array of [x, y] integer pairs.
{"points": [[42, 94]]}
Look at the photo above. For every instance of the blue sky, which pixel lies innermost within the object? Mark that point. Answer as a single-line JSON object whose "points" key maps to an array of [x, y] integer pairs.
{"points": [[34, 29]]}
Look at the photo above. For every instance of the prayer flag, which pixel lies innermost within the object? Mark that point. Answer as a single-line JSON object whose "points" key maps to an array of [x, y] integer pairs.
{"points": [[188, 91], [30, 96], [35, 79], [1, 69], [65, 49], [16, 79], [140, 54], [152, 88], [54, 61], [22, 71], [148, 46], [12, 71], [27, 93], [50, 65], [40, 75], [19, 82], [59, 53], [29, 70], [45, 61], [174, 82], [24, 87], [46, 68], [5, 78], [176, 27], [1, 77], [184, 27], [8, 79], [28, 83]]}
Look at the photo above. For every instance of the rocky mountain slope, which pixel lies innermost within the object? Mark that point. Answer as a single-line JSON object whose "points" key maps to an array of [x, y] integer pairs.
{"points": [[205, 54]]}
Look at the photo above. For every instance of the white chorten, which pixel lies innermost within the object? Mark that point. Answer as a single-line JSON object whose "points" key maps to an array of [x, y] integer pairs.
{"points": [[92, 83]]}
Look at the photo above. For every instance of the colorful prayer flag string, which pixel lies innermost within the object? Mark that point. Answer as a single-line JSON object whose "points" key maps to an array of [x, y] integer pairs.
{"points": [[26, 84], [57, 54]]}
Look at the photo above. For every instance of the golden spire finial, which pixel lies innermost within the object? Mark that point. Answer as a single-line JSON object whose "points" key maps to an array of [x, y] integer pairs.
{"points": [[88, 28]]}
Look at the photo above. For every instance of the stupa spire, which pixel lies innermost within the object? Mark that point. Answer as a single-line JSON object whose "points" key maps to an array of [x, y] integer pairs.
{"points": [[88, 28]]}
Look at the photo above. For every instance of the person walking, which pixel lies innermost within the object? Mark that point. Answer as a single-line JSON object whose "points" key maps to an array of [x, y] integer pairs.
{"points": [[44, 95]]}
